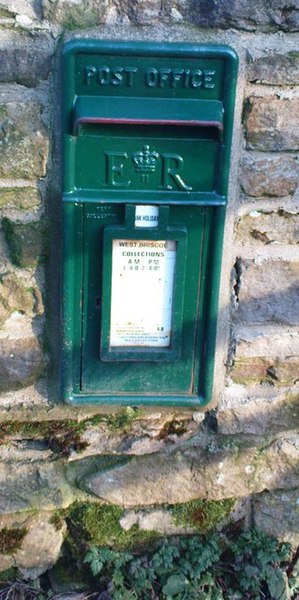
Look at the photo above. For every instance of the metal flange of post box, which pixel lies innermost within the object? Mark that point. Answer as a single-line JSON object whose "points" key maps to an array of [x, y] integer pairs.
{"points": [[147, 133]]}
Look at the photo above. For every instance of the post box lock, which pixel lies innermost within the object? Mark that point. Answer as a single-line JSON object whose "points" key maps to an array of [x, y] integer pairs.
{"points": [[146, 136]]}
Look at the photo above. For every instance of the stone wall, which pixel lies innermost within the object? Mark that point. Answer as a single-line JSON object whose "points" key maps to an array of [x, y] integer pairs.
{"points": [[149, 472]]}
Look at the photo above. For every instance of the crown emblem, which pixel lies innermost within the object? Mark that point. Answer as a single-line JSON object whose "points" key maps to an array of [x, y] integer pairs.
{"points": [[144, 160]]}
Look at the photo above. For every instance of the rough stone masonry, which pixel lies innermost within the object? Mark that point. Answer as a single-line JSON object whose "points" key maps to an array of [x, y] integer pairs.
{"points": [[145, 462]]}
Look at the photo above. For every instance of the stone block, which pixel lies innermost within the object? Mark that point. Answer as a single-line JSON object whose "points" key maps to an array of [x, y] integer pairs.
{"points": [[25, 60], [180, 10], [141, 436], [182, 6], [181, 519], [268, 292], [213, 468], [21, 196], [22, 447], [39, 548], [241, 14], [24, 8], [6, 18], [274, 69], [260, 228], [261, 410], [22, 360], [269, 356], [155, 520], [6, 562], [142, 12], [100, 440], [28, 486], [272, 124], [14, 296], [269, 175], [76, 14], [256, 370], [27, 242], [23, 140], [277, 513], [32, 485]]}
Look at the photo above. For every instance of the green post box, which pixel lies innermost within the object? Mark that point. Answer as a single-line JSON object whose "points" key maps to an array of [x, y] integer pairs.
{"points": [[146, 138]]}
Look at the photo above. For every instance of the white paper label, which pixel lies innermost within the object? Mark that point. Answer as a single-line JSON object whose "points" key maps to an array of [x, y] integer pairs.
{"points": [[142, 292], [146, 215]]}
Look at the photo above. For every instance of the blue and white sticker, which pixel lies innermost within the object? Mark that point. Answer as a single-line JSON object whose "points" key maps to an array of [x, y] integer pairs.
{"points": [[142, 292], [146, 216]]}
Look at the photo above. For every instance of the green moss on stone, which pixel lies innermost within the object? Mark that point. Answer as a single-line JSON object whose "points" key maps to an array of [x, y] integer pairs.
{"points": [[9, 575], [57, 520], [119, 420], [61, 436], [122, 421], [65, 436], [201, 514], [6, 14], [11, 240], [173, 427], [292, 408], [98, 525], [20, 197], [28, 242], [92, 524], [78, 21], [11, 539]]}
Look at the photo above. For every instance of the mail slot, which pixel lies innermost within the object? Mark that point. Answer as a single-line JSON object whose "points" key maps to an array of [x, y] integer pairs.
{"points": [[146, 142]]}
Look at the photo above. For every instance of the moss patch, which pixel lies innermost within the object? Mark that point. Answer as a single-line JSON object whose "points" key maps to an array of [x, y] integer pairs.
{"points": [[201, 514], [122, 421], [20, 197], [74, 21], [92, 524], [292, 409], [173, 427], [9, 575], [63, 437], [98, 525], [28, 242], [11, 539], [6, 14]]}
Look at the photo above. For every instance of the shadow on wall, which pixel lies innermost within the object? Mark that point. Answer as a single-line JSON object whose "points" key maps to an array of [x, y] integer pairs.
{"points": [[208, 465]]}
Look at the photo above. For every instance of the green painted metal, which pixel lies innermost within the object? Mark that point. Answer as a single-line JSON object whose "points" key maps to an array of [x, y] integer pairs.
{"points": [[143, 124], [152, 111]]}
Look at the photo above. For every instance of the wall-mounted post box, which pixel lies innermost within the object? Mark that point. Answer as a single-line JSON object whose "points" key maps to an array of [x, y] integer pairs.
{"points": [[147, 133]]}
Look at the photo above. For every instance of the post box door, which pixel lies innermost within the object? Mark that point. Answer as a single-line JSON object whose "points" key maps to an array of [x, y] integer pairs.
{"points": [[145, 373]]}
